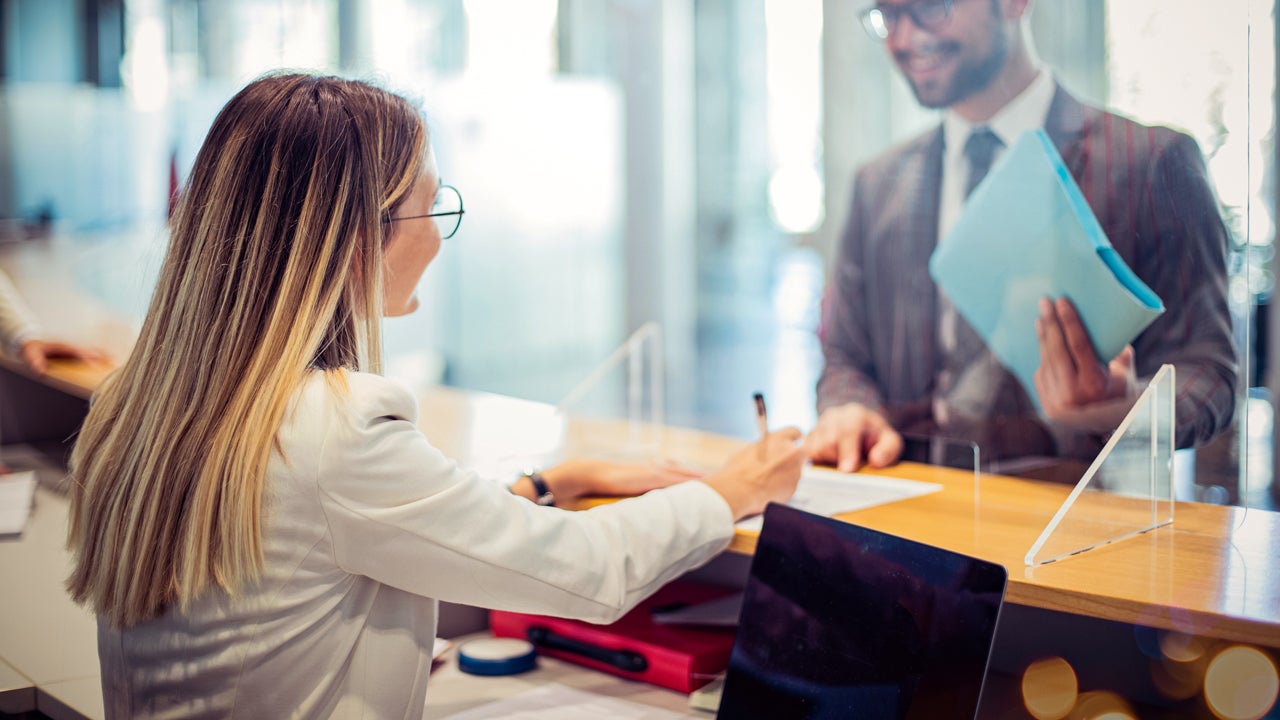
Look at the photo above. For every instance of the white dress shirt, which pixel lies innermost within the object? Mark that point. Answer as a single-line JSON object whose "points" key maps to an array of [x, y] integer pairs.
{"points": [[1027, 111], [366, 525]]}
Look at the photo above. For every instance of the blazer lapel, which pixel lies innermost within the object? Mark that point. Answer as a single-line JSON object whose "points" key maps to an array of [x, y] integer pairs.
{"points": [[921, 185], [1065, 125]]}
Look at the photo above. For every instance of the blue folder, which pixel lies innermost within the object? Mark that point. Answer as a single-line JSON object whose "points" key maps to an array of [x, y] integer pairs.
{"points": [[1026, 233]]}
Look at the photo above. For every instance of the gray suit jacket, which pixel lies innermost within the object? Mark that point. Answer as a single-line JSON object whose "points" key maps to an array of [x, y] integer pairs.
{"points": [[1149, 189]]}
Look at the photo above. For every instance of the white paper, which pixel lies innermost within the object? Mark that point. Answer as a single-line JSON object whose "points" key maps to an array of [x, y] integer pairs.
{"points": [[824, 491], [721, 612], [562, 702], [440, 647], [17, 491]]}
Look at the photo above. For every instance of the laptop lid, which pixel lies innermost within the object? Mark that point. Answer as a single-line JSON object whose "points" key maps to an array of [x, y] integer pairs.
{"points": [[840, 621]]}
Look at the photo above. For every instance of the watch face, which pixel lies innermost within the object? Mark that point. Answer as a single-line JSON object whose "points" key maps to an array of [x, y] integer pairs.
{"points": [[541, 493]]}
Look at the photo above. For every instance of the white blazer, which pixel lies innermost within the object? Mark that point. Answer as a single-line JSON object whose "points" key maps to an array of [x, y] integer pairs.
{"points": [[366, 526]]}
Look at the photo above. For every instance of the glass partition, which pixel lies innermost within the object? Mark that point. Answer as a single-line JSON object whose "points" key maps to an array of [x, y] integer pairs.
{"points": [[1128, 489], [693, 163], [626, 386], [1175, 168]]}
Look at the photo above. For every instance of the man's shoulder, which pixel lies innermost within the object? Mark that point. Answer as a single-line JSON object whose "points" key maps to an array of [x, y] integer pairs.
{"points": [[1115, 126]]}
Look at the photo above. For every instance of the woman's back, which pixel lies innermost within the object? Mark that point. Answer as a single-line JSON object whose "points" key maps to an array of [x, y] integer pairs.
{"points": [[365, 525], [307, 640]]}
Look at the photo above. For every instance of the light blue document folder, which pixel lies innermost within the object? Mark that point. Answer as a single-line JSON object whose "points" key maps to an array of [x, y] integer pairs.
{"points": [[1026, 233]]}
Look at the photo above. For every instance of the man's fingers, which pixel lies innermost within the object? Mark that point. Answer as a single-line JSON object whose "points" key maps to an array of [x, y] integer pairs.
{"points": [[849, 451], [1055, 358], [1077, 338], [1091, 377], [887, 449], [820, 445], [1124, 361]]}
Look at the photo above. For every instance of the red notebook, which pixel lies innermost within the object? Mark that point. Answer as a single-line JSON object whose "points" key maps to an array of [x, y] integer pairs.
{"points": [[681, 658]]}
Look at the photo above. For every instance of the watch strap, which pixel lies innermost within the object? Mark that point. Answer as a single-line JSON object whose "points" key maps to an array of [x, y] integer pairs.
{"points": [[542, 494]]}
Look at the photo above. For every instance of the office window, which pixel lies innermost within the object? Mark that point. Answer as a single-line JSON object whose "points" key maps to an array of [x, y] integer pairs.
{"points": [[793, 58]]}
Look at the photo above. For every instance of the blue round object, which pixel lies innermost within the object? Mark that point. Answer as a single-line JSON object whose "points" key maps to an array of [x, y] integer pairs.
{"points": [[496, 656]]}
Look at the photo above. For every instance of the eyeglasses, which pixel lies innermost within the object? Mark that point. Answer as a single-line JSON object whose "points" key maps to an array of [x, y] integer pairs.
{"points": [[446, 211], [881, 20]]}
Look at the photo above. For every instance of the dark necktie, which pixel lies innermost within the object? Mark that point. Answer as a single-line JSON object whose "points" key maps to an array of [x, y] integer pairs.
{"points": [[980, 149], [963, 379]]}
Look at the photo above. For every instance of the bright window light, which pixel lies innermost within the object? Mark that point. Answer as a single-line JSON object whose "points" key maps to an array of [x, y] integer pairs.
{"points": [[793, 57], [145, 67], [511, 37]]}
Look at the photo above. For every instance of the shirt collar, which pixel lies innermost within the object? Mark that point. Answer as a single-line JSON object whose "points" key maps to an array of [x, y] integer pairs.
{"points": [[1027, 111]]}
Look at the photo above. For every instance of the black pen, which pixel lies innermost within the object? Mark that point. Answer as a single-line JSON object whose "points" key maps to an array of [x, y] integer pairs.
{"points": [[762, 416]]}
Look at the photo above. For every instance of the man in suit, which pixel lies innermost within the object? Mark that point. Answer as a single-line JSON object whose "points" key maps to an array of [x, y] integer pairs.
{"points": [[900, 359]]}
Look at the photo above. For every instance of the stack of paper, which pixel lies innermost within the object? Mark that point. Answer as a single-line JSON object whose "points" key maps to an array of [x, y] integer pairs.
{"points": [[17, 493], [1027, 233]]}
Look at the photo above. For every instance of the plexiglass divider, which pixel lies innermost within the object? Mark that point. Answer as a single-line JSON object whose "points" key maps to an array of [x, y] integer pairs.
{"points": [[628, 385], [1128, 489], [945, 452]]}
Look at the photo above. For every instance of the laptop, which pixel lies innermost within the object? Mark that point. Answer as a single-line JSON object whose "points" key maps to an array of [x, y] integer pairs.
{"points": [[840, 621]]}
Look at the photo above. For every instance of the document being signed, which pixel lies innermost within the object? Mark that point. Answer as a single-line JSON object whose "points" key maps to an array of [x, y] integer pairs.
{"points": [[825, 491]]}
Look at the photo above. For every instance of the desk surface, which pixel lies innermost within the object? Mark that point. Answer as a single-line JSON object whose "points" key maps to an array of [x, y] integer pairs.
{"points": [[1214, 572]]}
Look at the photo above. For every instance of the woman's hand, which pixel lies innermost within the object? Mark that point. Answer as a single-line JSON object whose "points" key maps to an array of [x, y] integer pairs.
{"points": [[37, 353], [762, 472], [581, 477]]}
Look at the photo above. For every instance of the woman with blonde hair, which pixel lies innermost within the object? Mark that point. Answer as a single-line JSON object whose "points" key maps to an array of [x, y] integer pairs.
{"points": [[256, 520]]}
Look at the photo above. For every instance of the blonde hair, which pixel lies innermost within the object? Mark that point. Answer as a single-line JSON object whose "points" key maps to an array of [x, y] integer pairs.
{"points": [[274, 269]]}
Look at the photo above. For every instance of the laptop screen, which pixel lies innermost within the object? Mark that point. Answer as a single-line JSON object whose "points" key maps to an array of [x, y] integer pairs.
{"points": [[839, 621]]}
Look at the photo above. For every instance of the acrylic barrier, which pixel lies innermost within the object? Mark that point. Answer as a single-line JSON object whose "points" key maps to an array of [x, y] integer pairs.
{"points": [[1128, 489]]}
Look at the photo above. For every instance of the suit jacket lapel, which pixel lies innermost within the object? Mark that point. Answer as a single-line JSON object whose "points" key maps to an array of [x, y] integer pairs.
{"points": [[1066, 123], [921, 183]]}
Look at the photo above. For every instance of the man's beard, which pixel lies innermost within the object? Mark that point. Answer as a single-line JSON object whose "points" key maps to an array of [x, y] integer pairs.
{"points": [[969, 78]]}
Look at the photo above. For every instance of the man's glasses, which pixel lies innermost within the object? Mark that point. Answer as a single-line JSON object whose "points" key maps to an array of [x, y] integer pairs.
{"points": [[446, 212], [881, 20]]}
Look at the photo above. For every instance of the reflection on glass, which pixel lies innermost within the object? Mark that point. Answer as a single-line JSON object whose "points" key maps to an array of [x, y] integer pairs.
{"points": [[759, 114], [1224, 97], [895, 345], [841, 621]]}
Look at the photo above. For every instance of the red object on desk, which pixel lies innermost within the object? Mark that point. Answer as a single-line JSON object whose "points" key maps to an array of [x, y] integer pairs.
{"points": [[635, 647]]}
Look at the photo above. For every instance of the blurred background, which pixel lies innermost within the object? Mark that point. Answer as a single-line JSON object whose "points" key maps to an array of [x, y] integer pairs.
{"points": [[684, 162]]}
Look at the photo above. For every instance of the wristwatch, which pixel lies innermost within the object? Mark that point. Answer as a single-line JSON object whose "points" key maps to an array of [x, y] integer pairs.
{"points": [[542, 494]]}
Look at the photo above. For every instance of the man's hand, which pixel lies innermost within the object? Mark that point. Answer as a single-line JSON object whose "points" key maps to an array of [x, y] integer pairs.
{"points": [[851, 434], [1071, 376], [37, 353]]}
